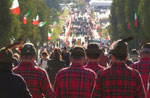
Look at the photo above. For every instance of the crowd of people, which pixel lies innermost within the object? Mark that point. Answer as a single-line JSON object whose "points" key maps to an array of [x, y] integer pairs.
{"points": [[82, 72]]}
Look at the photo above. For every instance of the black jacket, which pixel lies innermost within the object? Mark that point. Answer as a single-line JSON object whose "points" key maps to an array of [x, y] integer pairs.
{"points": [[13, 86], [54, 66]]}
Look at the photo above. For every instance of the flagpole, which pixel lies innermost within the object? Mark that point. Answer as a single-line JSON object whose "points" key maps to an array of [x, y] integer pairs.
{"points": [[23, 32], [32, 33]]}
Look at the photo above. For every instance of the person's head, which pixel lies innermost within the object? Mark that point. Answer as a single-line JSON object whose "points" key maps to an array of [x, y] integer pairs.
{"points": [[44, 54], [93, 52], [28, 52], [134, 53], [78, 55], [145, 50], [119, 51], [64, 49], [6, 59], [57, 53]]}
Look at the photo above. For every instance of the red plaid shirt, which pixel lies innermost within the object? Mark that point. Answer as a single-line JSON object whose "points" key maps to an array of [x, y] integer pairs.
{"points": [[36, 78], [94, 66], [74, 82], [104, 60], [119, 81], [143, 66]]}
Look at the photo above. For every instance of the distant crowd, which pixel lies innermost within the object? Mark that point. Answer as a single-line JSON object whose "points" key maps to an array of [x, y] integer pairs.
{"points": [[81, 72]]}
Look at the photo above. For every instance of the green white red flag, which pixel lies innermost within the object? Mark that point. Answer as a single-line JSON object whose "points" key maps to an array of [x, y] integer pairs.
{"points": [[135, 20], [36, 20], [41, 24], [25, 17], [49, 35], [15, 9]]}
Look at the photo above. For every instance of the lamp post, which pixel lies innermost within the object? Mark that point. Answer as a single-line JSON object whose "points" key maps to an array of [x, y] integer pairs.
{"points": [[12, 39]]}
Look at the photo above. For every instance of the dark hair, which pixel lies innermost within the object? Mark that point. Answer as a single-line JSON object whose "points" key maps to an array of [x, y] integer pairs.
{"points": [[56, 54], [78, 53], [93, 55], [121, 57]]}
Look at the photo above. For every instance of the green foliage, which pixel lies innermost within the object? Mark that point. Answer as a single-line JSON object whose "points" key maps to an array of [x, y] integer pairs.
{"points": [[123, 13], [144, 15], [12, 25]]}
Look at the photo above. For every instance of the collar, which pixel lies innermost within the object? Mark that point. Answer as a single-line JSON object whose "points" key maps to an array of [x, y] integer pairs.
{"points": [[92, 64], [119, 65], [26, 64], [76, 65]]}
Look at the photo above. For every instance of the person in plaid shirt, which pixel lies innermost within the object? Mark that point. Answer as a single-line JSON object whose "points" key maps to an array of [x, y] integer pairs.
{"points": [[75, 81], [93, 54], [119, 80], [143, 65], [36, 78]]}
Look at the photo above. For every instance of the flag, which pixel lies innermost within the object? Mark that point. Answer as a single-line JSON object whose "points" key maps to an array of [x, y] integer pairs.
{"points": [[108, 37], [25, 17], [135, 20], [15, 7], [36, 20], [49, 35], [129, 26], [41, 24]]}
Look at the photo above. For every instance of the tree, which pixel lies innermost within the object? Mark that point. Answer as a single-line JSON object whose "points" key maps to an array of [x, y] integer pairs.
{"points": [[113, 22], [144, 15], [8, 27], [131, 7]]}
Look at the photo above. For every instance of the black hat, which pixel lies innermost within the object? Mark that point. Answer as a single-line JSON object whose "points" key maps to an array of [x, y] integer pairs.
{"points": [[78, 52], [120, 47], [146, 48], [28, 49], [6, 55], [93, 48]]}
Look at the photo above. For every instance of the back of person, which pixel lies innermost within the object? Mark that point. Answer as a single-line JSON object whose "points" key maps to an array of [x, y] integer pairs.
{"points": [[13, 86], [144, 68], [120, 81], [75, 83], [53, 67], [36, 78], [93, 54], [143, 65], [66, 56]]}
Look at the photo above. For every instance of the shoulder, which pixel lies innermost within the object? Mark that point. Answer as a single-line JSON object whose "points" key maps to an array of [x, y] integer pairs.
{"points": [[136, 64], [90, 72], [39, 69], [104, 72], [101, 67], [62, 72], [17, 78]]}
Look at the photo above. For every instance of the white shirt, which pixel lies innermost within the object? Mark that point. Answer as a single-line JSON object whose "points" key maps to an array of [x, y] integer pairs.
{"points": [[44, 63]]}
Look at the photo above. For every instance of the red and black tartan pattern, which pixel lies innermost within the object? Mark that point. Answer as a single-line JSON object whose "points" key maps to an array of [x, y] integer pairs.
{"points": [[94, 66], [143, 66], [37, 80], [119, 81], [74, 82]]}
